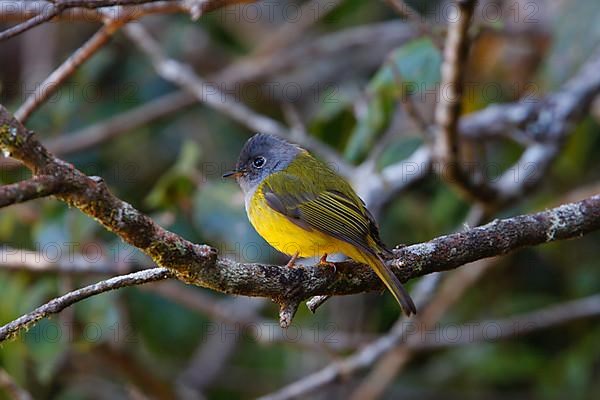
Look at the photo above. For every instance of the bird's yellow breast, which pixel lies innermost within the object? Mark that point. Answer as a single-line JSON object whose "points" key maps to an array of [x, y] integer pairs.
{"points": [[288, 237]]}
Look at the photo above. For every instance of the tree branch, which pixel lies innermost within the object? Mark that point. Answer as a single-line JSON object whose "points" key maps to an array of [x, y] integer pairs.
{"points": [[73, 263], [544, 318], [447, 112], [60, 303], [119, 124], [199, 264], [57, 7], [67, 68], [252, 67], [22, 10], [182, 75], [362, 358], [11, 388], [387, 364], [34, 188]]}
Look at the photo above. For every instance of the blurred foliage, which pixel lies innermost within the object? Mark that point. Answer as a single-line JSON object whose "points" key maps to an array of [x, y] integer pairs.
{"points": [[414, 67], [136, 339]]}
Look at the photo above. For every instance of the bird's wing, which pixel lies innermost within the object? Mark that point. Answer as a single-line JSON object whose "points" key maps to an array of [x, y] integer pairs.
{"points": [[332, 208], [330, 205]]}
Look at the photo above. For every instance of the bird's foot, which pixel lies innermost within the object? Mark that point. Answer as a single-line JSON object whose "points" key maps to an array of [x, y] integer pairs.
{"points": [[323, 262], [292, 262]]}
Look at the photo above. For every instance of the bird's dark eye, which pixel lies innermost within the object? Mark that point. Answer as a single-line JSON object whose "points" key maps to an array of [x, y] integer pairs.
{"points": [[259, 162]]}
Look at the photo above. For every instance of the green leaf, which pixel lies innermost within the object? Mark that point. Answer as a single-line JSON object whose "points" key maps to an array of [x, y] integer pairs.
{"points": [[412, 69], [178, 182]]}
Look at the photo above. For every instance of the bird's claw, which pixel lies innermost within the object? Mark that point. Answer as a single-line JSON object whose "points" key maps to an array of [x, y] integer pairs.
{"points": [[323, 262], [292, 262]]}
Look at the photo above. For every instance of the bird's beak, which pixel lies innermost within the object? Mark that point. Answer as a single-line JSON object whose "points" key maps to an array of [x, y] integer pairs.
{"points": [[235, 173]]}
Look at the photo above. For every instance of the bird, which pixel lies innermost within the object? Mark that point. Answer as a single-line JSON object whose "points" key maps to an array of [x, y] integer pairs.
{"points": [[303, 208]]}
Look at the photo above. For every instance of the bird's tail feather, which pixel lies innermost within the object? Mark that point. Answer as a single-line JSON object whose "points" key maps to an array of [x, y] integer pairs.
{"points": [[392, 283]]}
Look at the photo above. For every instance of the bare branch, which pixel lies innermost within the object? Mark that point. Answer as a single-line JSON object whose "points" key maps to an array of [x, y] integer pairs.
{"points": [[207, 93], [34, 188], [391, 362], [421, 336], [11, 388], [447, 112], [543, 124], [47, 15], [55, 306], [97, 41], [57, 7], [252, 67], [183, 75], [121, 123], [548, 122], [35, 261], [67, 68], [362, 358], [13, 10], [547, 317]]}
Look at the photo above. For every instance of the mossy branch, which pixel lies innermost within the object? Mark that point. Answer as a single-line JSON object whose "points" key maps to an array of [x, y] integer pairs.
{"points": [[200, 265]]}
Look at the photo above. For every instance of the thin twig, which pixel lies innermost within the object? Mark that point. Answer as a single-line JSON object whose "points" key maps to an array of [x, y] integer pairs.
{"points": [[60, 303], [451, 291], [362, 358], [422, 337], [249, 68], [27, 9], [71, 262], [34, 188], [67, 68], [47, 15], [121, 123], [182, 75], [11, 388], [547, 317], [57, 7]]}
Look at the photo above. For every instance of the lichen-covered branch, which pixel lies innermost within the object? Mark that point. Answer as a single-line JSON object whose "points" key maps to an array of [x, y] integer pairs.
{"points": [[200, 265]]}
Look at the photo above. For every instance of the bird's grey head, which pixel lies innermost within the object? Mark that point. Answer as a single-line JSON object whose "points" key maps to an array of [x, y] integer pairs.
{"points": [[262, 155]]}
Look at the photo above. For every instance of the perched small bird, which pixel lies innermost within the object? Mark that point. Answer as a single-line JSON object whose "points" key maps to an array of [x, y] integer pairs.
{"points": [[303, 208]]}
